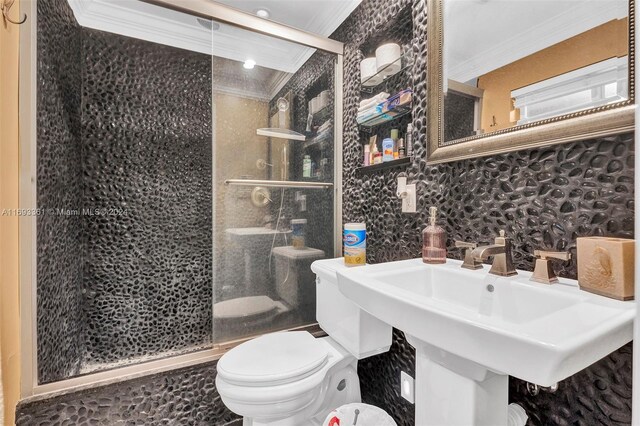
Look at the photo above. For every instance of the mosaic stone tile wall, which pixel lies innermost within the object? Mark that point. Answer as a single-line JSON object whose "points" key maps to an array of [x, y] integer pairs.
{"points": [[543, 198], [147, 151], [60, 242], [135, 280], [186, 396]]}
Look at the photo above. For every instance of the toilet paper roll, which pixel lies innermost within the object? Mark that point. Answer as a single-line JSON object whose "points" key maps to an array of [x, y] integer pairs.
{"points": [[324, 98], [315, 105], [368, 69], [387, 58]]}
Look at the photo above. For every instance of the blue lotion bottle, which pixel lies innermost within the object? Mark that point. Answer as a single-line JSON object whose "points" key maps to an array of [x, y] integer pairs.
{"points": [[387, 149]]}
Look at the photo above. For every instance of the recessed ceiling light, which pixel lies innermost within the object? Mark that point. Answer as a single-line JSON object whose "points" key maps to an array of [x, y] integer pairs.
{"points": [[249, 64], [208, 24], [263, 13]]}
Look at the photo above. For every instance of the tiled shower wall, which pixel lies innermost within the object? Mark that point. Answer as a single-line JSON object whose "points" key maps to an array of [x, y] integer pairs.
{"points": [[147, 153], [543, 198], [133, 278], [60, 238]]}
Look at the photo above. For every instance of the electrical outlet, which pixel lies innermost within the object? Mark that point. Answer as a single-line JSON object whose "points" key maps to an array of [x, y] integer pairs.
{"points": [[409, 202], [407, 387]]}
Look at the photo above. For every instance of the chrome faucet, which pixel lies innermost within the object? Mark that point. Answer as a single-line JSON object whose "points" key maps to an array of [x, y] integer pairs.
{"points": [[501, 252]]}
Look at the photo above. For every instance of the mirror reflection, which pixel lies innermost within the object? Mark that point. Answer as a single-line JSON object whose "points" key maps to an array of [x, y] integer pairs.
{"points": [[513, 62]]}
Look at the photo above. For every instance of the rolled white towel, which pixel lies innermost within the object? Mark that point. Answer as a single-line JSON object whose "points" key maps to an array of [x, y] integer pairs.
{"points": [[366, 103]]}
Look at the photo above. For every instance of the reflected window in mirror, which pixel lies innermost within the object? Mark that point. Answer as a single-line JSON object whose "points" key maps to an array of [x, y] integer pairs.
{"points": [[510, 63]]}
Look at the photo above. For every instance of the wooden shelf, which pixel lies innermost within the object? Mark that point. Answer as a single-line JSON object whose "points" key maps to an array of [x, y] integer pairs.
{"points": [[367, 170]]}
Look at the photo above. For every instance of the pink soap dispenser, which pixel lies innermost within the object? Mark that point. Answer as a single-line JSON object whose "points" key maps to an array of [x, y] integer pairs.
{"points": [[434, 240]]}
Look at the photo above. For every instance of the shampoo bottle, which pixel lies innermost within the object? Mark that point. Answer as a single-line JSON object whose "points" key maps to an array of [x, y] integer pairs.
{"points": [[408, 141], [434, 249], [306, 166]]}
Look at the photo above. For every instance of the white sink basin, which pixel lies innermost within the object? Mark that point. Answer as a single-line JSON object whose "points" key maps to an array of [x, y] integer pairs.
{"points": [[481, 328]]}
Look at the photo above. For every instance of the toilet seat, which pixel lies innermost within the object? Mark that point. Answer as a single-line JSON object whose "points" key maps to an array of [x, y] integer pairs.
{"points": [[273, 359], [293, 391]]}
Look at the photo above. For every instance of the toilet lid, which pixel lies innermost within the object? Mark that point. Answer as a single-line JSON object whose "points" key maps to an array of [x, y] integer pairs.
{"points": [[273, 359], [243, 307]]}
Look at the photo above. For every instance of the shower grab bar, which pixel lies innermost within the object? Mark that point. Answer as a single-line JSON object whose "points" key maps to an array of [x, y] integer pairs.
{"points": [[278, 183]]}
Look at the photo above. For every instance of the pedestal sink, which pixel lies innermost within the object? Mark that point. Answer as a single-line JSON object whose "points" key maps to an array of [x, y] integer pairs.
{"points": [[471, 330]]}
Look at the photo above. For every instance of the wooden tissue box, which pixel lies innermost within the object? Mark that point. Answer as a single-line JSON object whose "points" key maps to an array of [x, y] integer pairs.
{"points": [[605, 266]]}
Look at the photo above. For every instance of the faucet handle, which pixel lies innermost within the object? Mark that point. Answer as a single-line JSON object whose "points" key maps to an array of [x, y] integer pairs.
{"points": [[467, 245], [544, 254], [469, 261], [543, 271]]}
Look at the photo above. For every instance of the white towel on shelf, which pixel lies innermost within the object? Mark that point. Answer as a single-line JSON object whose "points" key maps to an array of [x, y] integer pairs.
{"points": [[366, 115], [368, 103]]}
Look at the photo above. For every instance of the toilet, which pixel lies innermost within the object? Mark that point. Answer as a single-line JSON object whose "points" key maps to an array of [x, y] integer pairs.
{"points": [[294, 379]]}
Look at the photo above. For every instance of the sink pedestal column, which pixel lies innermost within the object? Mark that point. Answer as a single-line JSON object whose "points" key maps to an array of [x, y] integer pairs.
{"points": [[453, 391]]}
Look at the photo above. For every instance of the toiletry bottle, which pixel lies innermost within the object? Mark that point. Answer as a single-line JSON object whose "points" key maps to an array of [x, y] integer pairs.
{"points": [[373, 148], [306, 166], [377, 158], [367, 155], [387, 149], [394, 136], [401, 148], [434, 249], [374, 154], [408, 140]]}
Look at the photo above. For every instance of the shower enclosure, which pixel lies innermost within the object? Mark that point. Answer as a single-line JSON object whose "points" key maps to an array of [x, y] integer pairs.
{"points": [[186, 172]]}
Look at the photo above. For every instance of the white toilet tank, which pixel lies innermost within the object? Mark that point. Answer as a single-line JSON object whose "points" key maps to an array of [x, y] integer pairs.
{"points": [[357, 331]]}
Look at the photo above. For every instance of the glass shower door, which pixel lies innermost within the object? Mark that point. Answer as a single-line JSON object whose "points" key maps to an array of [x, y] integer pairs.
{"points": [[274, 202]]}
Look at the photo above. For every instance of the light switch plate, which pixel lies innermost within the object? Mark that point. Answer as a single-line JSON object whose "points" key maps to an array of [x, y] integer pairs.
{"points": [[407, 387], [409, 202]]}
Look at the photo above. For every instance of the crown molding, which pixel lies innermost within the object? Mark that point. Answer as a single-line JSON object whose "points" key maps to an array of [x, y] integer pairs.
{"points": [[142, 23]]}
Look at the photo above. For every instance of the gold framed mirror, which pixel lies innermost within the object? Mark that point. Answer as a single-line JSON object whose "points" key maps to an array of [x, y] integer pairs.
{"points": [[511, 75]]}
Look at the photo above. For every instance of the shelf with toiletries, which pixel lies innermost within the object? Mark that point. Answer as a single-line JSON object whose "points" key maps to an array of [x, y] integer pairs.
{"points": [[388, 145], [381, 108], [384, 114], [400, 162]]}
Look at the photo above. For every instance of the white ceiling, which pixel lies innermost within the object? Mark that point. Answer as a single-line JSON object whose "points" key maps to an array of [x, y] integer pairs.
{"points": [[483, 35], [320, 17], [135, 18]]}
